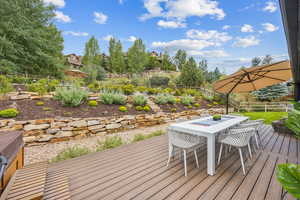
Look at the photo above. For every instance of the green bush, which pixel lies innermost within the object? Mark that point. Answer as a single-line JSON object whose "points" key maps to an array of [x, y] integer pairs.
{"points": [[138, 137], [189, 106], [109, 143], [73, 96], [293, 122], [197, 105], [43, 86], [147, 108], [170, 99], [71, 152], [95, 86], [153, 91], [9, 113], [46, 109], [39, 103], [159, 81], [289, 177], [187, 100], [161, 99], [141, 89], [173, 110], [109, 98], [5, 85], [139, 100], [139, 108], [123, 109], [297, 105], [93, 103], [128, 89]]}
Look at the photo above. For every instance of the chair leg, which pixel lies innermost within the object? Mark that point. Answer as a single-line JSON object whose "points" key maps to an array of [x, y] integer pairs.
{"points": [[259, 138], [170, 155], [256, 140], [184, 157], [196, 158], [249, 149], [242, 160], [220, 153]]}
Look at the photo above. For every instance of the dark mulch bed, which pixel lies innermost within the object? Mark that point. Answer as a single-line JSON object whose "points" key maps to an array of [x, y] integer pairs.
{"points": [[29, 110], [179, 107]]}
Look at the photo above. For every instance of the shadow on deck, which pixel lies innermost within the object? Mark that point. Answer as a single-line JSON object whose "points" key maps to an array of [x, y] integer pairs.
{"points": [[138, 171]]}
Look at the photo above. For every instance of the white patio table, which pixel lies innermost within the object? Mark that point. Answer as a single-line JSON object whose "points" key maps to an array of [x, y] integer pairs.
{"points": [[208, 128]]}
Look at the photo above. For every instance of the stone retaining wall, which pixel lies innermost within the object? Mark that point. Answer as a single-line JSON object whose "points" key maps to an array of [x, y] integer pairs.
{"points": [[60, 129]]}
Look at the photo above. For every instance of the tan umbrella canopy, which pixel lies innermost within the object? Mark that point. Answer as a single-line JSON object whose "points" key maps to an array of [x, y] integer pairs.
{"points": [[76, 73], [254, 78]]}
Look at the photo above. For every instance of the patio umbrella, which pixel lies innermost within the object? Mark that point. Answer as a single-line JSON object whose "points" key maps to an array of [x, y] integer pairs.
{"points": [[254, 78]]}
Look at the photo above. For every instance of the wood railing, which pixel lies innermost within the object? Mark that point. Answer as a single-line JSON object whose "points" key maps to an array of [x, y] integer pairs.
{"points": [[284, 106]]}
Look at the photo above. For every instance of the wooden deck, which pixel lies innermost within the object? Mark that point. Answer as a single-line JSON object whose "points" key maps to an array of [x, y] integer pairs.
{"points": [[138, 171]]}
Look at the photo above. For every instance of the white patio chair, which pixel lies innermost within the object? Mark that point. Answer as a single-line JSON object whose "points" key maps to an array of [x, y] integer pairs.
{"points": [[256, 124], [239, 138], [184, 142]]}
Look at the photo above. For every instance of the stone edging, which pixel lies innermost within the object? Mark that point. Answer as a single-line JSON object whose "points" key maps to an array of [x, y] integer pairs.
{"points": [[41, 131]]}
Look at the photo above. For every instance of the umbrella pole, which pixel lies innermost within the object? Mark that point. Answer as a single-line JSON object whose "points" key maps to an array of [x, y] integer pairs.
{"points": [[227, 103]]}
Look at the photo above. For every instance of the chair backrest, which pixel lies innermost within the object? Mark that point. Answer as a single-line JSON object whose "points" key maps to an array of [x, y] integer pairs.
{"points": [[255, 125], [241, 136], [175, 136]]}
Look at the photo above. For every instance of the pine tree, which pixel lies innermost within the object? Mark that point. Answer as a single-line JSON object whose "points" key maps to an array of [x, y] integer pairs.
{"points": [[137, 57], [166, 63], [152, 63], [29, 41], [117, 62], [92, 54], [180, 59], [191, 75]]}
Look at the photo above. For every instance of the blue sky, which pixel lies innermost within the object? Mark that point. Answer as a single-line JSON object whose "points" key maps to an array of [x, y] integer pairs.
{"points": [[227, 33]]}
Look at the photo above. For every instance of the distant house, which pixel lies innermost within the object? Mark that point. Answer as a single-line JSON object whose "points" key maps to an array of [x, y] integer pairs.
{"points": [[74, 60]]}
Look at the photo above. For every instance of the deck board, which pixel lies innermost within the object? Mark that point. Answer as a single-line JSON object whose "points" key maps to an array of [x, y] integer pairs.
{"points": [[138, 171]]}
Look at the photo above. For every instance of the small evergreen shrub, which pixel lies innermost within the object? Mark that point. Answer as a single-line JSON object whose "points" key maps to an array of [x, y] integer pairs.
{"points": [[71, 152], [170, 99], [73, 96], [119, 99], [187, 100], [109, 98], [46, 109], [109, 143], [128, 89], [297, 106], [43, 86], [139, 100], [293, 122], [9, 113], [39, 103], [139, 108], [123, 109], [153, 91], [189, 106], [197, 105], [157, 81], [5, 85], [93, 103], [147, 108], [161, 99], [173, 110]]}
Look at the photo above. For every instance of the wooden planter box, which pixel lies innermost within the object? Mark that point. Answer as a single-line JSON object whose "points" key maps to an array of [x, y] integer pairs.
{"points": [[11, 147]]}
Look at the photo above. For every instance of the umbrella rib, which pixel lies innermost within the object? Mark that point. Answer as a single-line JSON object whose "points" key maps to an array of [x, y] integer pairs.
{"points": [[242, 77], [278, 79]]}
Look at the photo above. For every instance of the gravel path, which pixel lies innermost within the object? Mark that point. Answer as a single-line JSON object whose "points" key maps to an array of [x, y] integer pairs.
{"points": [[45, 152]]}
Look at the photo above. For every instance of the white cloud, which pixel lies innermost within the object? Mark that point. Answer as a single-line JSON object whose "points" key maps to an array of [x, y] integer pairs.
{"points": [[246, 28], [209, 53], [61, 17], [131, 39], [107, 37], [77, 34], [246, 41], [181, 9], [185, 44], [226, 27], [58, 3], [171, 24], [120, 1], [100, 18], [269, 27], [212, 35], [270, 7]]}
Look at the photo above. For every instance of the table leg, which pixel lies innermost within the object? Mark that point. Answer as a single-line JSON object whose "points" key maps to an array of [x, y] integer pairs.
{"points": [[211, 162]]}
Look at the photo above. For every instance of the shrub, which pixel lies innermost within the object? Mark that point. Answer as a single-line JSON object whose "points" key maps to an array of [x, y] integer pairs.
{"points": [[173, 110], [192, 92], [187, 100], [138, 137], [128, 89], [157, 81], [139, 108], [39, 103], [141, 89], [197, 105], [109, 98], [178, 100], [71, 152], [161, 99], [168, 90], [109, 143], [123, 109], [189, 106], [297, 106], [95, 86], [5, 85], [170, 99], [152, 91], [139, 100], [46, 109], [43, 86], [147, 108], [9, 113], [73, 96], [293, 122], [93, 103]]}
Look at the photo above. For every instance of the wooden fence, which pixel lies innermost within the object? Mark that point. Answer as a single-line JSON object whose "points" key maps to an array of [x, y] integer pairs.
{"points": [[263, 106]]}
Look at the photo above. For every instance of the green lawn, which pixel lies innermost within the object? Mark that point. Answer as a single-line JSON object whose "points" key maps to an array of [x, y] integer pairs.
{"points": [[269, 117]]}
